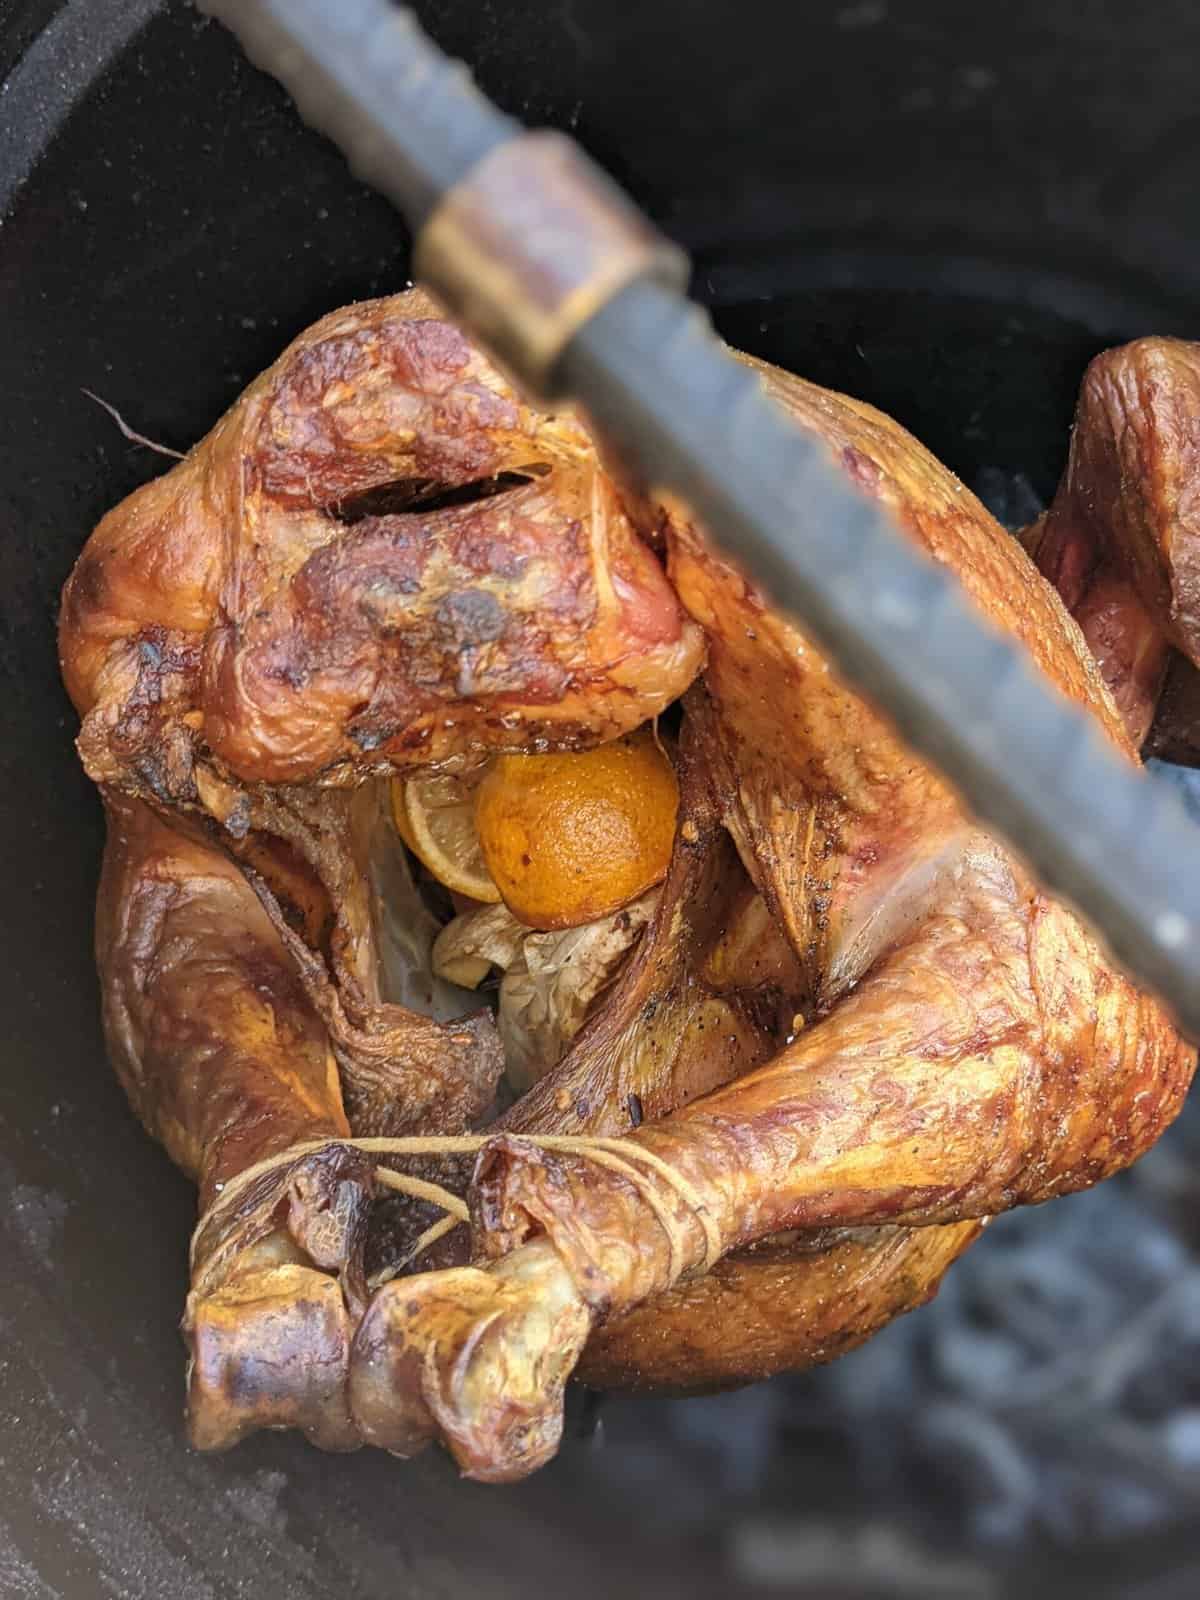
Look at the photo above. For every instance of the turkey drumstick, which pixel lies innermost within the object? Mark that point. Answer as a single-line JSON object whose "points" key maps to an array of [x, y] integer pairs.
{"points": [[226, 1062], [971, 1046]]}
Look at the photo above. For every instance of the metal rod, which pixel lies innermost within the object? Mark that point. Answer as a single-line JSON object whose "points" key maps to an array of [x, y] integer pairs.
{"points": [[409, 121], [1114, 841]]}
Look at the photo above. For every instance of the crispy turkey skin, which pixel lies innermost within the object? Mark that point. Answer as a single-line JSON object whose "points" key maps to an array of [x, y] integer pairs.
{"points": [[853, 1026]]}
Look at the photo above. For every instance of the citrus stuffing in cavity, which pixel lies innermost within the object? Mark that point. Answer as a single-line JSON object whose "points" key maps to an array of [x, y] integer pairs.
{"points": [[570, 838], [435, 816]]}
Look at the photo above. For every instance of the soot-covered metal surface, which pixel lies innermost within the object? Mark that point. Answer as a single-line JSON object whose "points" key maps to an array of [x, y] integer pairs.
{"points": [[936, 215]]}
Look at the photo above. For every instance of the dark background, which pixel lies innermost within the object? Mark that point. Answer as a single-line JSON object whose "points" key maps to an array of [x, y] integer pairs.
{"points": [[943, 208]]}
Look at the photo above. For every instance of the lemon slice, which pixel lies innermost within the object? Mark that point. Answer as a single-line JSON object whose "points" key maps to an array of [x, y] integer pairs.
{"points": [[435, 816]]}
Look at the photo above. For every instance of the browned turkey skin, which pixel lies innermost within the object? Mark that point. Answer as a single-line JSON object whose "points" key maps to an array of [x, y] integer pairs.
{"points": [[1121, 542], [854, 1027]]}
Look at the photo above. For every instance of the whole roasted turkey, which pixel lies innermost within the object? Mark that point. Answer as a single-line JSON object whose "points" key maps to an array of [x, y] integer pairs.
{"points": [[853, 1027]]}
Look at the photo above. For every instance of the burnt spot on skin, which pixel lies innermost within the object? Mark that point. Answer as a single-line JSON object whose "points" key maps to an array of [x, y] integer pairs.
{"points": [[370, 738], [163, 655], [471, 617]]}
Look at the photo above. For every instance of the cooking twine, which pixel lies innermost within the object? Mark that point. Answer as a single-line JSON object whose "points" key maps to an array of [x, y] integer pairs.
{"points": [[615, 1155]]}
